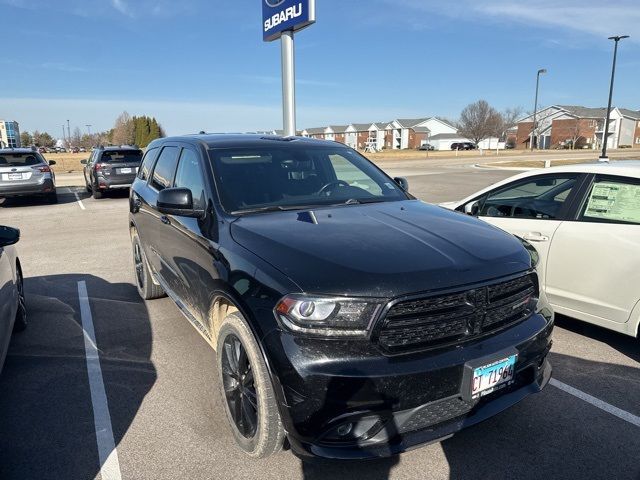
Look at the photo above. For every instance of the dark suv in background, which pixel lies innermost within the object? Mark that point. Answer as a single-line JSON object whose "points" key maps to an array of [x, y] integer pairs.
{"points": [[346, 315], [463, 146], [110, 168]]}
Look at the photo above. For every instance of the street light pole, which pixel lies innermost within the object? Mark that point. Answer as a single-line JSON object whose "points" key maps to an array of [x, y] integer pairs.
{"points": [[88, 129], [535, 108], [288, 84], [605, 133]]}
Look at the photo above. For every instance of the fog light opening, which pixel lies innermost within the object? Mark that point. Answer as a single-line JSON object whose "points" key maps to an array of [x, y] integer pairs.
{"points": [[344, 430]]}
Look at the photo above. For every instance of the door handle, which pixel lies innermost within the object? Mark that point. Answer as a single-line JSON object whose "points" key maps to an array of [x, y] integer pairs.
{"points": [[535, 237], [164, 219]]}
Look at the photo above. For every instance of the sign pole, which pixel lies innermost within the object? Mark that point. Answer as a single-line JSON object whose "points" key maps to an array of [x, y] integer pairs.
{"points": [[288, 83]]}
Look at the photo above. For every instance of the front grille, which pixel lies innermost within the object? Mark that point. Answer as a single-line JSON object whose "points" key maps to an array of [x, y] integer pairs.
{"points": [[455, 317]]}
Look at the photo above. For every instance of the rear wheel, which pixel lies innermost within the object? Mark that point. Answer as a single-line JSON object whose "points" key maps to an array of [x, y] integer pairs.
{"points": [[21, 314], [97, 194], [144, 282], [247, 392]]}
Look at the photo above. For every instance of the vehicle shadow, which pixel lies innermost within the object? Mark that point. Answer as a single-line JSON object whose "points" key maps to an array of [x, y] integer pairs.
{"points": [[376, 469], [64, 197], [625, 344], [47, 421]]}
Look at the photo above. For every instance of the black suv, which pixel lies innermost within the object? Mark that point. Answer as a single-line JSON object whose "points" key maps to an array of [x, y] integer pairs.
{"points": [[111, 168], [346, 315], [463, 146]]}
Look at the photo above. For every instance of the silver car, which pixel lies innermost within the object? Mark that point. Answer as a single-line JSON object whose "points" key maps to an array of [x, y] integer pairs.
{"points": [[13, 311], [24, 172]]}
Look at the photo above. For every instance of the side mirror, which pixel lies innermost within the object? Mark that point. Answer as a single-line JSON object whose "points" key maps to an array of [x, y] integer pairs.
{"points": [[8, 236], [177, 201], [83, 162], [472, 208], [52, 162], [402, 182]]}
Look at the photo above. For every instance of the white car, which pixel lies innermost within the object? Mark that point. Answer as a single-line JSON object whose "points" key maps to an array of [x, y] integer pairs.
{"points": [[584, 221], [13, 312]]}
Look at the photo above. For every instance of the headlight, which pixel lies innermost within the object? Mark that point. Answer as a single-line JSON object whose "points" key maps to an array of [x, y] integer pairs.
{"points": [[328, 316], [533, 253]]}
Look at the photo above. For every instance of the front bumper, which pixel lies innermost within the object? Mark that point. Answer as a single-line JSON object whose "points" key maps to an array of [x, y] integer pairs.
{"points": [[393, 404], [42, 187]]}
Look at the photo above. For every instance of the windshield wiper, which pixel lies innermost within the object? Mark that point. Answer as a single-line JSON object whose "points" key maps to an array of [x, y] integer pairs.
{"points": [[359, 201], [269, 208]]}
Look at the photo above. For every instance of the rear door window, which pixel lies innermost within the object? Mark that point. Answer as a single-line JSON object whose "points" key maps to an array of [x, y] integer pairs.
{"points": [[613, 200], [147, 163], [165, 168]]}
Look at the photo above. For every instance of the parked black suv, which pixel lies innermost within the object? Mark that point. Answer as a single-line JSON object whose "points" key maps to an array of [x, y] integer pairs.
{"points": [[111, 168], [463, 146], [345, 314]]}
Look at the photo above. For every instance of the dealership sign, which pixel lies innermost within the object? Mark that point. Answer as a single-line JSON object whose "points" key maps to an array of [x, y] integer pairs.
{"points": [[281, 15]]}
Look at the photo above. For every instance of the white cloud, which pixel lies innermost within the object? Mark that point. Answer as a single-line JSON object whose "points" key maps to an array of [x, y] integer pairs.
{"points": [[593, 17], [122, 7]]}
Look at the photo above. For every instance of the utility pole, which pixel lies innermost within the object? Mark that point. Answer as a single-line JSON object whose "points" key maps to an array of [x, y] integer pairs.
{"points": [[68, 135], [535, 110], [605, 134]]}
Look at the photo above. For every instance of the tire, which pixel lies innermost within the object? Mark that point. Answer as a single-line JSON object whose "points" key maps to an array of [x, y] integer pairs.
{"points": [[97, 194], [144, 282], [21, 315], [248, 381]]}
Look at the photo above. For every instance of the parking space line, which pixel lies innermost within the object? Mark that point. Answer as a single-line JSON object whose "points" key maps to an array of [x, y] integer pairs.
{"points": [[596, 402], [79, 201], [107, 453]]}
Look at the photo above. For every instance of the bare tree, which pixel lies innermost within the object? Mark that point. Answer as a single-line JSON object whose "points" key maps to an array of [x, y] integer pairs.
{"points": [[576, 134], [508, 119], [123, 130], [76, 137], [478, 121]]}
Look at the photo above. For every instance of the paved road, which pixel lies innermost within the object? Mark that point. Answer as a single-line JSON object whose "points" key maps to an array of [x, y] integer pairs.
{"points": [[160, 386]]}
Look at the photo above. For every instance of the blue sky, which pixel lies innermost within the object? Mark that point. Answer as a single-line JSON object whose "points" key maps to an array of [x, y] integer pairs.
{"points": [[202, 65]]}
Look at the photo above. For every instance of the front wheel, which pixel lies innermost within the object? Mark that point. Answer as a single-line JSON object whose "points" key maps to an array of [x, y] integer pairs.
{"points": [[247, 393]]}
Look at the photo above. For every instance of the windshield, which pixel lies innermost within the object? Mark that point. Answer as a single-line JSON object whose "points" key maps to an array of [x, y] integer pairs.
{"points": [[20, 159], [121, 156], [278, 176]]}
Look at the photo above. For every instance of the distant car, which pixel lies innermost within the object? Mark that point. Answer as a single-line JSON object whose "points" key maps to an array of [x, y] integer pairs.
{"points": [[584, 221], [61, 150], [75, 150], [13, 309], [111, 168], [82, 149], [24, 172], [426, 146], [42, 150], [463, 146]]}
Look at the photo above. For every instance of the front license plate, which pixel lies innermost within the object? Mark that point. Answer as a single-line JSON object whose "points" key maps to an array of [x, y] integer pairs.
{"points": [[14, 176], [493, 376], [124, 170]]}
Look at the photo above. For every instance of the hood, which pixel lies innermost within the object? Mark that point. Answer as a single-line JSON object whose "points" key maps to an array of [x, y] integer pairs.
{"points": [[380, 250]]}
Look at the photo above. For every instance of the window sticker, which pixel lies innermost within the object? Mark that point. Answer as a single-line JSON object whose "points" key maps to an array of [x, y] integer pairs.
{"points": [[614, 201]]}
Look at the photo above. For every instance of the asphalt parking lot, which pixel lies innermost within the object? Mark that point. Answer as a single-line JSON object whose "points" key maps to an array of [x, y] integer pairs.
{"points": [[159, 381]]}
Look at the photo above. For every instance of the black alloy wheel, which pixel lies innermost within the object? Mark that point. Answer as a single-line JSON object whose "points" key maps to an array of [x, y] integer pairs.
{"points": [[139, 265], [239, 387], [21, 313]]}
